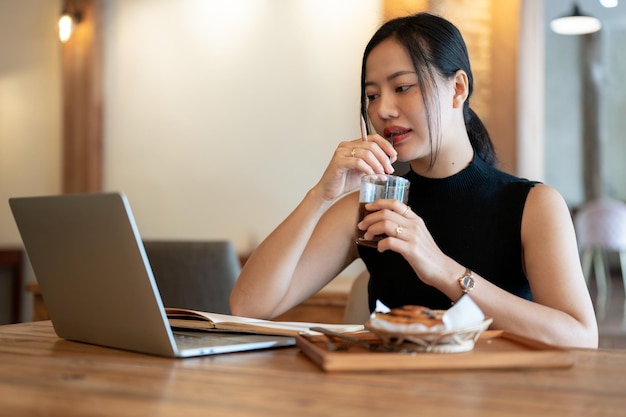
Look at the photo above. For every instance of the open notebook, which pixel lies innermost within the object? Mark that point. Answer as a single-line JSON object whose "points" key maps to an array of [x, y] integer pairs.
{"points": [[96, 281]]}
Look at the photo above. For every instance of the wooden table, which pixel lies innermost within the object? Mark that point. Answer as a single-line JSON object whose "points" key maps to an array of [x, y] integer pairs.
{"points": [[43, 375]]}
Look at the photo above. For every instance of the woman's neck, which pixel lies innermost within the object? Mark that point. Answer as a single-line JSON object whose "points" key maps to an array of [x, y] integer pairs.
{"points": [[450, 160]]}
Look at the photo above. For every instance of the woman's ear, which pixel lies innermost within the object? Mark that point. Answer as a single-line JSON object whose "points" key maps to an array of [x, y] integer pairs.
{"points": [[461, 88]]}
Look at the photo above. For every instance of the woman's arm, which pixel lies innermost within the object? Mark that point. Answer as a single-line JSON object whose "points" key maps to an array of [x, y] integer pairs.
{"points": [[298, 258], [553, 268], [316, 241], [561, 312]]}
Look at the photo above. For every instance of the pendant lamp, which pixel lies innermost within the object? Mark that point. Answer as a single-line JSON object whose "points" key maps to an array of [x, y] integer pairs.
{"points": [[575, 23]]}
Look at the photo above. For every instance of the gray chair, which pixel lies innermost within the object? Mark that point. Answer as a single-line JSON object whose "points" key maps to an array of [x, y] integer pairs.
{"points": [[197, 275], [600, 229], [357, 307]]}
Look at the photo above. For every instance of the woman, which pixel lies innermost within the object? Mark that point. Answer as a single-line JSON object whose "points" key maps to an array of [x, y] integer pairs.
{"points": [[468, 227]]}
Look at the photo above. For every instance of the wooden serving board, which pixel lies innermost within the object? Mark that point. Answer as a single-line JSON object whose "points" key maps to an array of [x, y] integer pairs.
{"points": [[494, 349]]}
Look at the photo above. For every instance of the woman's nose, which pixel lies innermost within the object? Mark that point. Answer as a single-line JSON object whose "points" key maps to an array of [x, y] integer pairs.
{"points": [[387, 108]]}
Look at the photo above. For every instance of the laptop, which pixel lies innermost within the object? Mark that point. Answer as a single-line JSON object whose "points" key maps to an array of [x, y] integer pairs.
{"points": [[96, 280]]}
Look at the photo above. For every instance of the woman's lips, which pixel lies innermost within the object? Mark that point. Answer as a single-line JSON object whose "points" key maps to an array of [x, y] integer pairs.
{"points": [[396, 134]]}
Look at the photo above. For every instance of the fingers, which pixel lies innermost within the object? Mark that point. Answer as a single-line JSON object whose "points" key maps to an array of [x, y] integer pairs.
{"points": [[391, 229], [371, 157], [395, 206], [384, 144], [391, 218]]}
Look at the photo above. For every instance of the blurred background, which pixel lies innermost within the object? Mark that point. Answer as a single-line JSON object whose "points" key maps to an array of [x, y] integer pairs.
{"points": [[215, 117]]}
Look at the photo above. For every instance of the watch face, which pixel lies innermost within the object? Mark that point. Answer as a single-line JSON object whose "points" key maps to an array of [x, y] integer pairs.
{"points": [[467, 282]]}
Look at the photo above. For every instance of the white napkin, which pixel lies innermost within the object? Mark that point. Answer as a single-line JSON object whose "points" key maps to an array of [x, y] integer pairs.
{"points": [[464, 313], [381, 308]]}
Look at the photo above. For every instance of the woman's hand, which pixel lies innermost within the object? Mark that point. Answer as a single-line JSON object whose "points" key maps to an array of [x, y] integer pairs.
{"points": [[353, 159], [407, 235]]}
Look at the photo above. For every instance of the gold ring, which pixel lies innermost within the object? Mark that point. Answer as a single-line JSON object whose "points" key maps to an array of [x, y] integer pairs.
{"points": [[406, 210], [353, 152], [398, 231]]}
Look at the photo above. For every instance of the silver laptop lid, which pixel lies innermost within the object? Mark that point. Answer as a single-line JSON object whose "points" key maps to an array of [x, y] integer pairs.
{"points": [[93, 272], [96, 280]]}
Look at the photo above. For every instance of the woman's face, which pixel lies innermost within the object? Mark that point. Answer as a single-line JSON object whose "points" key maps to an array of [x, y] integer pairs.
{"points": [[395, 103]]}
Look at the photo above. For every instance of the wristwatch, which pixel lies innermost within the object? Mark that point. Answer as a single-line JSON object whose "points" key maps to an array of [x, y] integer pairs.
{"points": [[466, 282]]}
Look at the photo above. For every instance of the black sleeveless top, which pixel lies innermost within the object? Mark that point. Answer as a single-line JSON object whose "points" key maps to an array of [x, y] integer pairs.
{"points": [[475, 217]]}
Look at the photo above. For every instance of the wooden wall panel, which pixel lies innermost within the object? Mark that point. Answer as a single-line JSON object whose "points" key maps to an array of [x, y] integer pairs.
{"points": [[82, 101]]}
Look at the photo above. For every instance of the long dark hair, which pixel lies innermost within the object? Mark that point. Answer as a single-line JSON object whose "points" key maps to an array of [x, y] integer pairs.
{"points": [[436, 47]]}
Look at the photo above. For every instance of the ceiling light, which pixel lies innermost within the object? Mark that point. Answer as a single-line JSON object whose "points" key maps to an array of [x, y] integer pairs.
{"points": [[609, 3], [575, 23]]}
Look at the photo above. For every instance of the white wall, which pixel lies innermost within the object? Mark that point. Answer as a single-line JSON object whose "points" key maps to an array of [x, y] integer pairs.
{"points": [[30, 105], [219, 115], [30, 118]]}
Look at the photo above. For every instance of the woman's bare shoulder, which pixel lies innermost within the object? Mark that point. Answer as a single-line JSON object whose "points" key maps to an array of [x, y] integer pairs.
{"points": [[544, 200], [547, 220]]}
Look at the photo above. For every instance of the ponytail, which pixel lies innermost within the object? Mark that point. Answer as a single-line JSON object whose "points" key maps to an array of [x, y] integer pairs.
{"points": [[479, 137]]}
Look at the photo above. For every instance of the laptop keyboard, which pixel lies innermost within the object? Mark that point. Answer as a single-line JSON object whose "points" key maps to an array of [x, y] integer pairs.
{"points": [[193, 340]]}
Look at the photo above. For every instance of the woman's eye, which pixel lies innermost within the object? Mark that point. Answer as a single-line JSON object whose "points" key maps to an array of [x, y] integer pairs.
{"points": [[403, 88], [371, 97]]}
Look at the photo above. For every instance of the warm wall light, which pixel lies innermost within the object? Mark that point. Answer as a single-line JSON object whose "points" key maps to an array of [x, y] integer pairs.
{"points": [[66, 27], [575, 24], [67, 22]]}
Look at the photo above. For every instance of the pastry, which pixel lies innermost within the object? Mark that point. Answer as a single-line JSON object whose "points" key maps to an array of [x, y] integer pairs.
{"points": [[408, 319]]}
